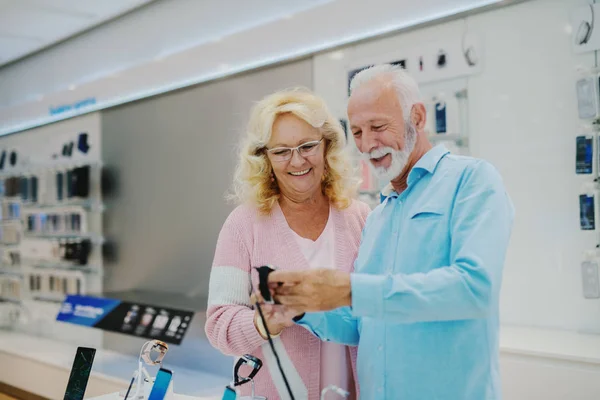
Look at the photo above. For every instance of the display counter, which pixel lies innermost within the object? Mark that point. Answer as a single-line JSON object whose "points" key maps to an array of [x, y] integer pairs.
{"points": [[535, 362], [550, 343], [549, 364], [24, 357]]}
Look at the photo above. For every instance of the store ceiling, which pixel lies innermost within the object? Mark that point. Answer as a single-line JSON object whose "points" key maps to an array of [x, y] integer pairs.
{"points": [[27, 26]]}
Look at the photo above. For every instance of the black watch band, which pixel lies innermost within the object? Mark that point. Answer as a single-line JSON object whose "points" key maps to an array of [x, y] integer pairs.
{"points": [[298, 317]]}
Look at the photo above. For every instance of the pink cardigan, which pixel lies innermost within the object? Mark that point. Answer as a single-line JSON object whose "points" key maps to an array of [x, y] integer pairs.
{"points": [[247, 240]]}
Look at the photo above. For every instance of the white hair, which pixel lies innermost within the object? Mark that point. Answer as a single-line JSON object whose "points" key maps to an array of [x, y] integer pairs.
{"points": [[406, 87]]}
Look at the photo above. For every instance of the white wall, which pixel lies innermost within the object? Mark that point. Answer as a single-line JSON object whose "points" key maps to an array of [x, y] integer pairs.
{"points": [[522, 118]]}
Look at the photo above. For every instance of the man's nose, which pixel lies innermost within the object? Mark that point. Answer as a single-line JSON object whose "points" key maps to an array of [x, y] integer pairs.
{"points": [[369, 142]]}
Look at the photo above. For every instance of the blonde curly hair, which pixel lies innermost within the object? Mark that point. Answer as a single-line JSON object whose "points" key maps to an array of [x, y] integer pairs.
{"points": [[252, 178]]}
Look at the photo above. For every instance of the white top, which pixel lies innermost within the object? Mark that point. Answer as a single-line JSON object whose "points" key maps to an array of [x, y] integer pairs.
{"points": [[336, 368]]}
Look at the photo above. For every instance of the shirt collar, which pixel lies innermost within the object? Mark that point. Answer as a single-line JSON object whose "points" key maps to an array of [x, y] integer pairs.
{"points": [[430, 160], [427, 163]]}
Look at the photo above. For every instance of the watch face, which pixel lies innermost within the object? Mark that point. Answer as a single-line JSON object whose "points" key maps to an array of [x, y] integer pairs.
{"points": [[160, 321], [175, 324], [146, 319], [131, 316]]}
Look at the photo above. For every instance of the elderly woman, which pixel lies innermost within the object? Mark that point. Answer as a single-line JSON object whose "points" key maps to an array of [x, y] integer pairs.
{"points": [[295, 186]]}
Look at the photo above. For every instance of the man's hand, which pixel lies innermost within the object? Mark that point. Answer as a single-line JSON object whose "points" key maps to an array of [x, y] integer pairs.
{"points": [[311, 290]]}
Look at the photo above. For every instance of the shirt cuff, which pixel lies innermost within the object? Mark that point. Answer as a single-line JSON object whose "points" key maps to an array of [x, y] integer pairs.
{"points": [[311, 322], [367, 295]]}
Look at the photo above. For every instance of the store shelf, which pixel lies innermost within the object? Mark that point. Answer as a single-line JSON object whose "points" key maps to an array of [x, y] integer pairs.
{"points": [[11, 199], [10, 300], [11, 271], [48, 298], [10, 220], [459, 139], [88, 205], [62, 266], [53, 166], [94, 238], [9, 245]]}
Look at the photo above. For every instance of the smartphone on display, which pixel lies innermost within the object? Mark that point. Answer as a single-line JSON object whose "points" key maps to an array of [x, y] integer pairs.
{"points": [[80, 373], [161, 384], [587, 102], [584, 155], [440, 118], [59, 186], [587, 212]]}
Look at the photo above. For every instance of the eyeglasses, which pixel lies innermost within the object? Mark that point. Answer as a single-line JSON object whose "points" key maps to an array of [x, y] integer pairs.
{"points": [[285, 153]]}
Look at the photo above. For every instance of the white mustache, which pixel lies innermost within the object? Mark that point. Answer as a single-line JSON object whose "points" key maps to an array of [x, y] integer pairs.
{"points": [[379, 152]]}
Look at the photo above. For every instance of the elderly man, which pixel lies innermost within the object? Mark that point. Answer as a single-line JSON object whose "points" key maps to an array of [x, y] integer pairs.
{"points": [[422, 304]]}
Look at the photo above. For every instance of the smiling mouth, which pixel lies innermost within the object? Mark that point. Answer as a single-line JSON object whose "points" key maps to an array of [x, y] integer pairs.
{"points": [[378, 160], [300, 173]]}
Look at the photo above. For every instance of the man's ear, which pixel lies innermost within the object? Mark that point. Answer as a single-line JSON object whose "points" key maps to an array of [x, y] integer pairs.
{"points": [[418, 116]]}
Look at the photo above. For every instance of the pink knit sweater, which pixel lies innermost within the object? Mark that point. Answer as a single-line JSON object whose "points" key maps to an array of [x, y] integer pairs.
{"points": [[247, 240]]}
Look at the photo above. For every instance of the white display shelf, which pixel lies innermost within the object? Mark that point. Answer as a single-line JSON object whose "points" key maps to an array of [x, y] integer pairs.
{"points": [[16, 271], [88, 205], [58, 299], [10, 220], [10, 300], [97, 239], [52, 166], [31, 265], [460, 140]]}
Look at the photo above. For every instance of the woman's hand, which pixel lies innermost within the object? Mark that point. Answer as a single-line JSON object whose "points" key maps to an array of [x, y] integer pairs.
{"points": [[277, 317]]}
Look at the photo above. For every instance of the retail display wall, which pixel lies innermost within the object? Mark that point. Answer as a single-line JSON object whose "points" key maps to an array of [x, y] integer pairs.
{"points": [[51, 226]]}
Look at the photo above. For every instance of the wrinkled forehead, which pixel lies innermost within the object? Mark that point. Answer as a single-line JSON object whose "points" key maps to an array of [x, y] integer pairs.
{"points": [[373, 101]]}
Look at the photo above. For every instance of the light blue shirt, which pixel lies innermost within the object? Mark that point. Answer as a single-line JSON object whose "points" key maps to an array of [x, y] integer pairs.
{"points": [[426, 285]]}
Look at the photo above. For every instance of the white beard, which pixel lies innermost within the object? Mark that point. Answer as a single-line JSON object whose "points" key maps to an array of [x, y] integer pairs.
{"points": [[399, 157]]}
